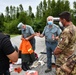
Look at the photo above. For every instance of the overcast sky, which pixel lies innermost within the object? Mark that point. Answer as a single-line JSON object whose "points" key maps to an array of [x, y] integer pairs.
{"points": [[25, 4]]}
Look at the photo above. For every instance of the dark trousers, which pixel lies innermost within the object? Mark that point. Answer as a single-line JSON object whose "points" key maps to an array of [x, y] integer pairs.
{"points": [[27, 60], [32, 41]]}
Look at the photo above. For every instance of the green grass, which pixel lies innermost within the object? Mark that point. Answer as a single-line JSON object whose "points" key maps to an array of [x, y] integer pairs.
{"points": [[14, 35]]}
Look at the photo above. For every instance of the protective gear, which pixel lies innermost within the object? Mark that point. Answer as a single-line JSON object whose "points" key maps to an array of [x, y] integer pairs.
{"points": [[25, 47], [50, 22]]}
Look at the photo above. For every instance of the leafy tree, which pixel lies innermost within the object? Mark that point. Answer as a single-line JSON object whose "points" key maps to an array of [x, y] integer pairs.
{"points": [[2, 17], [11, 27], [17, 15], [32, 16], [40, 10], [53, 7], [49, 4], [11, 11], [30, 10], [74, 8], [37, 13], [7, 14], [14, 12], [74, 12], [21, 8], [37, 26], [24, 18], [1, 22], [49, 7], [67, 5], [7, 11], [44, 6], [58, 8]]}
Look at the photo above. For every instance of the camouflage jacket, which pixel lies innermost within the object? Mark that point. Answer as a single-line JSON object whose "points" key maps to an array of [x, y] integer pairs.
{"points": [[67, 43]]}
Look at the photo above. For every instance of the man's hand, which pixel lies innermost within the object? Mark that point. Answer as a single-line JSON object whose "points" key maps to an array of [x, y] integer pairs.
{"points": [[57, 51], [26, 38], [56, 38]]}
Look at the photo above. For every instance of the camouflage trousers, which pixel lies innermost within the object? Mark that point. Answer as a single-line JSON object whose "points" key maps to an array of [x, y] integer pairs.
{"points": [[61, 72], [69, 67]]}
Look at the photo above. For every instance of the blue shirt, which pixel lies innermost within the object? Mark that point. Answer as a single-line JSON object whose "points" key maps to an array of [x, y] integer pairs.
{"points": [[48, 32], [28, 31]]}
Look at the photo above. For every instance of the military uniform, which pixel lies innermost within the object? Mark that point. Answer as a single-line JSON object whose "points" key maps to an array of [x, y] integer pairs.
{"points": [[67, 43]]}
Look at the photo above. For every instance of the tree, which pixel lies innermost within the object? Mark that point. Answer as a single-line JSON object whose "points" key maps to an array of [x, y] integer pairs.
{"points": [[37, 13], [7, 16], [14, 12], [67, 5], [30, 10], [40, 10], [74, 12], [21, 8], [17, 15], [53, 7], [24, 18], [58, 8], [49, 5], [1, 22], [11, 11], [74, 8], [7, 11], [32, 16], [44, 6]]}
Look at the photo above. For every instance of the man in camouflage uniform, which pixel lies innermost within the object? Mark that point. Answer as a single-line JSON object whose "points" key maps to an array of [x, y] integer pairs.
{"points": [[66, 45]]}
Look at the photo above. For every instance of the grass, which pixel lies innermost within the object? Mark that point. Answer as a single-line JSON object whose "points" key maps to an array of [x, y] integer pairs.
{"points": [[13, 35]]}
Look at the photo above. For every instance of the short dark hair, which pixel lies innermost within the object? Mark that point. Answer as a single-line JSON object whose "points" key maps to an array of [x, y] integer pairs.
{"points": [[65, 15]]}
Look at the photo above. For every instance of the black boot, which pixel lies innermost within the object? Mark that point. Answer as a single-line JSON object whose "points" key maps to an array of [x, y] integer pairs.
{"points": [[27, 66], [24, 66]]}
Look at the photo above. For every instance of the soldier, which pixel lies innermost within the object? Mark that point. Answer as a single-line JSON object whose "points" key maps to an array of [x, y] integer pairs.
{"points": [[66, 46]]}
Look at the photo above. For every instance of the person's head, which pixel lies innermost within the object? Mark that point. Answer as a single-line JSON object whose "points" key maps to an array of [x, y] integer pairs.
{"points": [[21, 26], [50, 20], [65, 17]]}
